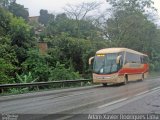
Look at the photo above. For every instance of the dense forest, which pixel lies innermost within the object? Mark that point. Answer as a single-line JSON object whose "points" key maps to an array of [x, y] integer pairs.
{"points": [[72, 38]]}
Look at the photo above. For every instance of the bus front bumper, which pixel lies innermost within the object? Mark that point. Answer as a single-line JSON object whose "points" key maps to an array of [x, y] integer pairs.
{"points": [[112, 78]]}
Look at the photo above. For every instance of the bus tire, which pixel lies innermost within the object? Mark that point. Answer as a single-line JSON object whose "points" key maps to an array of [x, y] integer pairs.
{"points": [[125, 80], [142, 77], [104, 84]]}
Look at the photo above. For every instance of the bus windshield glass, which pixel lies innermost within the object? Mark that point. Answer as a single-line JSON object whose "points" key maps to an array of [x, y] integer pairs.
{"points": [[105, 64]]}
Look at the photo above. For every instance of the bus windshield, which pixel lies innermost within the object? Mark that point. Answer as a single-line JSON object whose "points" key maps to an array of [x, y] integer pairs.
{"points": [[105, 64]]}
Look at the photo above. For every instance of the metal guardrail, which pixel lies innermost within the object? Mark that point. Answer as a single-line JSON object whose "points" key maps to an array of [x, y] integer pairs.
{"points": [[37, 84]]}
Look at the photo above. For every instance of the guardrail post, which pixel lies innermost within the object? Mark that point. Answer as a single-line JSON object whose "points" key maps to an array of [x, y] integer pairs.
{"points": [[2, 90], [37, 87], [63, 84], [81, 83]]}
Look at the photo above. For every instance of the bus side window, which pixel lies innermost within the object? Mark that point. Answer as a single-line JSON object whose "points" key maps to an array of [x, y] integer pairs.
{"points": [[142, 59], [132, 58], [129, 58], [126, 58]]}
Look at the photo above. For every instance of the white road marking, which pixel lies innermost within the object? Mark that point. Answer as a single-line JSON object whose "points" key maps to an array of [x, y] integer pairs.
{"points": [[121, 100], [155, 88], [114, 102], [65, 117], [142, 93]]}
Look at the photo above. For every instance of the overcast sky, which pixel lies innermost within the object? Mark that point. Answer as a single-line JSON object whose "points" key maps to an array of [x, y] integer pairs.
{"points": [[53, 6], [56, 6]]}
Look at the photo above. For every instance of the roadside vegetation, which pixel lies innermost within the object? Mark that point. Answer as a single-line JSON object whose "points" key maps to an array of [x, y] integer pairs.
{"points": [[72, 37]]}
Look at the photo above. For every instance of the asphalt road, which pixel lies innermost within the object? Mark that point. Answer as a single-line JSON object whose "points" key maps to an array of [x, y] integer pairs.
{"points": [[63, 104]]}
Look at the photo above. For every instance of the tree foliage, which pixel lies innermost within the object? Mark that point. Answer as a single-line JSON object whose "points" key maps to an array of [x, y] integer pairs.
{"points": [[15, 40], [18, 10], [130, 27], [7, 60], [74, 28], [5, 18], [81, 11], [45, 17], [6, 3], [72, 39]]}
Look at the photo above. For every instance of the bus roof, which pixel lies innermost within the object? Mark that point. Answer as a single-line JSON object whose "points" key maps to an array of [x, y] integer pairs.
{"points": [[116, 50]]}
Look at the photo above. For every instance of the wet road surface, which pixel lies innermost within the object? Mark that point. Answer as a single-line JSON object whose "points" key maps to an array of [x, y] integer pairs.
{"points": [[96, 99]]}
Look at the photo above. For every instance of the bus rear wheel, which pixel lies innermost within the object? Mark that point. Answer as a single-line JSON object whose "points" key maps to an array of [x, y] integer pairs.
{"points": [[125, 80], [142, 77], [104, 84]]}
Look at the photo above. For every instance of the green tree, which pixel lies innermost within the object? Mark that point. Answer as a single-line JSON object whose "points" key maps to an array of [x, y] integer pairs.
{"points": [[75, 28], [73, 52], [130, 27], [6, 3], [16, 38], [45, 17], [19, 10], [5, 19], [21, 37], [19, 32], [61, 73], [37, 65], [131, 5], [5, 72], [7, 61]]}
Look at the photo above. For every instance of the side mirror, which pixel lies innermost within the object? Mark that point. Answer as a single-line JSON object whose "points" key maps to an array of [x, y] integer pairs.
{"points": [[118, 59], [90, 60]]}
